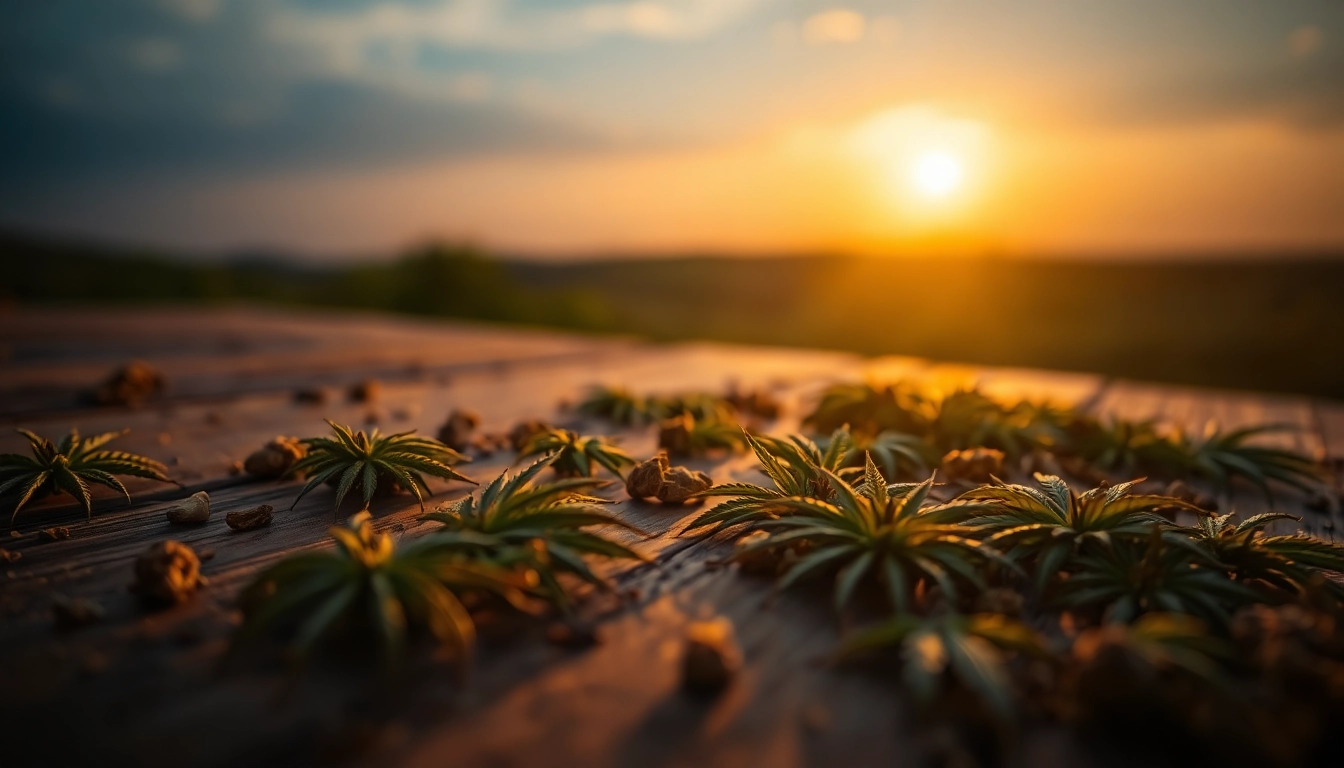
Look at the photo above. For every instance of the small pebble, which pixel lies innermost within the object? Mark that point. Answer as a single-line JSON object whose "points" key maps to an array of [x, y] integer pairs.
{"points": [[190, 511], [250, 519], [314, 396]]}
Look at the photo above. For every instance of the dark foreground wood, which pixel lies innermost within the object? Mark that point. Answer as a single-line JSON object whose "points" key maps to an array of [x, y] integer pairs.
{"points": [[151, 688]]}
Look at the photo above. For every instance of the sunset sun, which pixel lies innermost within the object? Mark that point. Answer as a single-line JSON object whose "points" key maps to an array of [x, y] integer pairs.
{"points": [[936, 174]]}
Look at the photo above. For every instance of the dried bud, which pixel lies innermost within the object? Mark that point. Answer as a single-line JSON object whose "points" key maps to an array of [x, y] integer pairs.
{"points": [[456, 431], [168, 572], [275, 458], [680, 484], [366, 391], [191, 510], [59, 533], [712, 657], [646, 478], [250, 519], [131, 384]]}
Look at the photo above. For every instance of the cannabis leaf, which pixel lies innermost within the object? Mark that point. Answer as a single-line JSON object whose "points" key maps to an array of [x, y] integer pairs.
{"points": [[871, 532], [1049, 525], [972, 647], [578, 455], [352, 459], [795, 465], [516, 520], [1131, 578], [70, 466], [372, 586], [1293, 562]]}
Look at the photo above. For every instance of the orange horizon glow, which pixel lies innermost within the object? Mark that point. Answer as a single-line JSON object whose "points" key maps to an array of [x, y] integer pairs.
{"points": [[828, 188]]}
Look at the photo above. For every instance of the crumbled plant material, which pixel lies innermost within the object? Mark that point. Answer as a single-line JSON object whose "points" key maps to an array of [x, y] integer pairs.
{"points": [[235, 468], [570, 634], [680, 484], [57, 533], [674, 434], [974, 464], [168, 572], [712, 657], [646, 478], [75, 612], [250, 519], [190, 511], [311, 396], [523, 432], [1180, 490], [131, 384], [10, 557], [456, 432], [366, 391], [275, 458]]}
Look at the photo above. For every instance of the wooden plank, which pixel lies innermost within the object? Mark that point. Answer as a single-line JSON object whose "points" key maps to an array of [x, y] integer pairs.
{"points": [[128, 688]]}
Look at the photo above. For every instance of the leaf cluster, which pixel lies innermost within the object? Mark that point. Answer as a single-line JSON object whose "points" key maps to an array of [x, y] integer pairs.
{"points": [[795, 465], [518, 522], [622, 406], [355, 460], [577, 455], [375, 589], [70, 466]]}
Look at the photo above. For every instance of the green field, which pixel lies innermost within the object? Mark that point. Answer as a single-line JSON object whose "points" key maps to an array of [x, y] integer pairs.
{"points": [[1256, 323]]}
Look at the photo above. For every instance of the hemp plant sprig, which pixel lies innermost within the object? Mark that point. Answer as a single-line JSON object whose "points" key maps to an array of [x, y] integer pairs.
{"points": [[70, 466], [542, 525], [369, 461]]}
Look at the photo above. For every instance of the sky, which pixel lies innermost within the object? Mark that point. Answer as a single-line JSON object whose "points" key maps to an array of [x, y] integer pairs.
{"points": [[564, 128]]}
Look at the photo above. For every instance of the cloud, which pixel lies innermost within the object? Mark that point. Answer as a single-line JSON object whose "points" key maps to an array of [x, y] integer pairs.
{"points": [[1305, 41], [479, 24], [319, 125], [838, 25]]}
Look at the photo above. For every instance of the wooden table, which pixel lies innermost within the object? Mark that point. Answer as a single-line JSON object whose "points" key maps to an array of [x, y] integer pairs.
{"points": [[149, 688]]}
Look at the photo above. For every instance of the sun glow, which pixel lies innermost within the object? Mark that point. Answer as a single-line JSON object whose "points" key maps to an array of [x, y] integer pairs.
{"points": [[936, 174], [929, 166]]}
